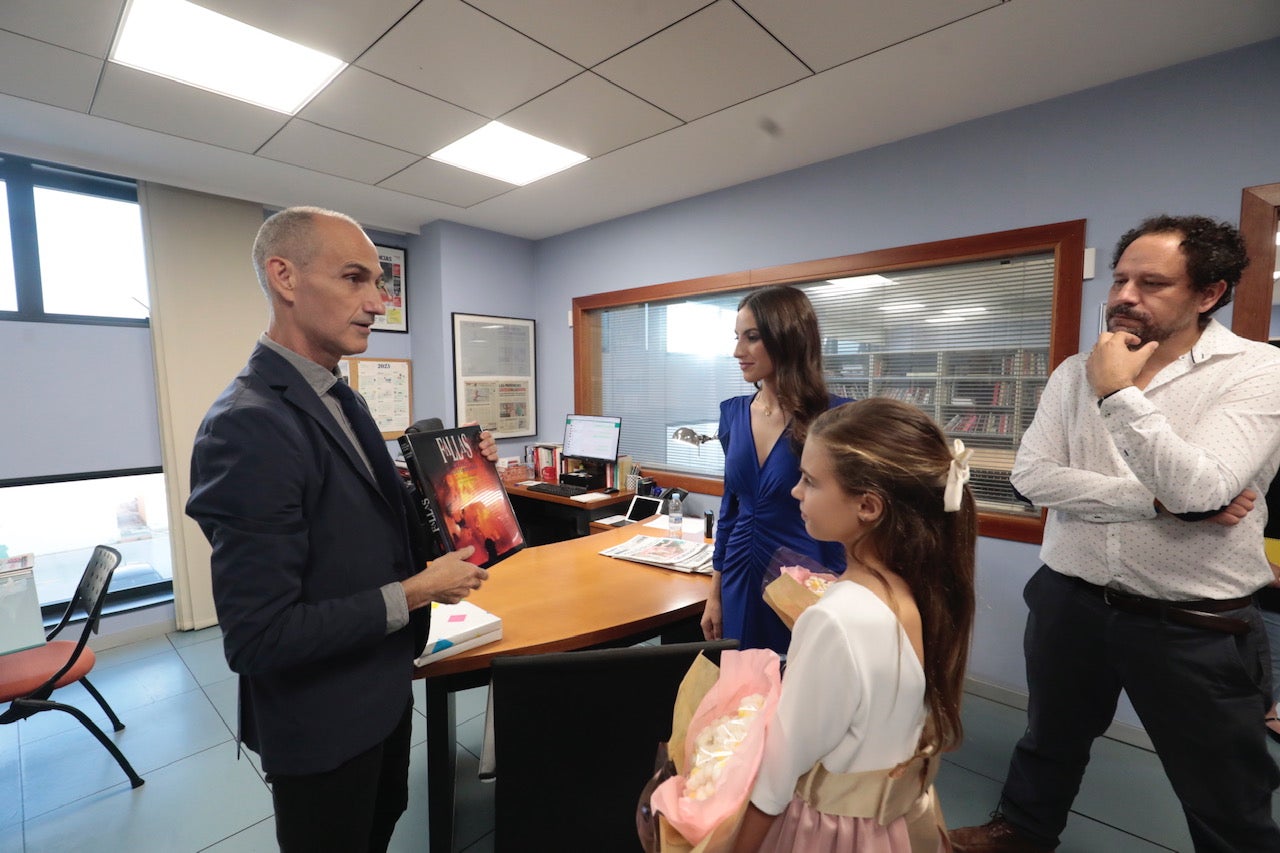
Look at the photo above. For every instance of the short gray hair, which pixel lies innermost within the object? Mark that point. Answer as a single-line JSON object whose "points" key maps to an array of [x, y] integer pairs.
{"points": [[290, 233]]}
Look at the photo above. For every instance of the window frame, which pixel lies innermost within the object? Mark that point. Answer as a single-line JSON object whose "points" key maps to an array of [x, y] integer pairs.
{"points": [[119, 601], [1065, 240], [21, 176]]}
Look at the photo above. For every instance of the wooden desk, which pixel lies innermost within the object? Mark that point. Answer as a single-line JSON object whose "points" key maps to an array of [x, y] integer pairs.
{"points": [[552, 598], [552, 518]]}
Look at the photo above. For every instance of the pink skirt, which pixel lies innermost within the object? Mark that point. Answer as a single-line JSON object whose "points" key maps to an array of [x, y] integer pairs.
{"points": [[804, 829]]}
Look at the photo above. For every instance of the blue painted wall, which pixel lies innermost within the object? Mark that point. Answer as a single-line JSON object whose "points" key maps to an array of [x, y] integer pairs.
{"points": [[1183, 139]]}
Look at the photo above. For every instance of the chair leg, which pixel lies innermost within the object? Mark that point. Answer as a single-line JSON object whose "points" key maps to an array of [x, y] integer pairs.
{"points": [[47, 705], [111, 715]]}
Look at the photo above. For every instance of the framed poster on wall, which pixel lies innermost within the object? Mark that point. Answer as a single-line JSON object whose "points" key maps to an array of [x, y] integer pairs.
{"points": [[387, 386], [394, 291], [493, 374]]}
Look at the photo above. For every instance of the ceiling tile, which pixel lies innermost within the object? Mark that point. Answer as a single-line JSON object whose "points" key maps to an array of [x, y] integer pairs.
{"points": [[588, 31], [87, 26], [314, 147], [449, 184], [337, 27], [456, 53], [157, 103], [590, 115], [362, 103], [68, 82], [825, 33], [712, 60]]}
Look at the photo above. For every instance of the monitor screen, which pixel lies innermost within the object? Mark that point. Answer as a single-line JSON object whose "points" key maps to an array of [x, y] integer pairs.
{"points": [[592, 437]]}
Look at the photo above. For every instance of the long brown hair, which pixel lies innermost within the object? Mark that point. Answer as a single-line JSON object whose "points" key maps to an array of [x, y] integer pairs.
{"points": [[788, 329], [896, 451]]}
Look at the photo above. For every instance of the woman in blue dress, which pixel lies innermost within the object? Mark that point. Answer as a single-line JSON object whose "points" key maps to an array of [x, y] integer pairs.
{"points": [[779, 350]]}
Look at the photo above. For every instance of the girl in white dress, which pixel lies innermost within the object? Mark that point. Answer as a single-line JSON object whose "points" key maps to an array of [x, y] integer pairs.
{"points": [[871, 693]]}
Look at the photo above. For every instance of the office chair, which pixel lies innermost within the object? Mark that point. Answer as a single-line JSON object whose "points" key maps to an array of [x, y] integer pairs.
{"points": [[28, 677], [575, 735]]}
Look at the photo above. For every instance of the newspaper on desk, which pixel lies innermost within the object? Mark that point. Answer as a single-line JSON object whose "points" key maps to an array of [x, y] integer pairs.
{"points": [[678, 554]]}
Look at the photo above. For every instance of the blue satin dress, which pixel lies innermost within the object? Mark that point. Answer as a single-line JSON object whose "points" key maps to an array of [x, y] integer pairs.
{"points": [[758, 515]]}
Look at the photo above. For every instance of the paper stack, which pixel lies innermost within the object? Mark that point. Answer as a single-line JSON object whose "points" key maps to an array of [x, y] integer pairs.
{"points": [[456, 628]]}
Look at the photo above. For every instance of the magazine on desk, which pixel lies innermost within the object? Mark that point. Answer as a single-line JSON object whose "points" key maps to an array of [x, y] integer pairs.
{"points": [[463, 493], [456, 628], [678, 554]]}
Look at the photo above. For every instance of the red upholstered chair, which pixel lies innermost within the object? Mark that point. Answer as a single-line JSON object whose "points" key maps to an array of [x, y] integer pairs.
{"points": [[28, 677]]}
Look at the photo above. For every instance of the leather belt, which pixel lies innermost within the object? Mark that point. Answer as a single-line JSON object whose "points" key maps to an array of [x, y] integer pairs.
{"points": [[1202, 613]]}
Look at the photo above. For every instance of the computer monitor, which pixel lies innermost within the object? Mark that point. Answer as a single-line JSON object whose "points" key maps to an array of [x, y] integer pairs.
{"points": [[593, 438]]}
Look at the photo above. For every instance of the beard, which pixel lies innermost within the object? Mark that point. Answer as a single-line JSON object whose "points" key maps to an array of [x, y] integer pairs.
{"points": [[1146, 329]]}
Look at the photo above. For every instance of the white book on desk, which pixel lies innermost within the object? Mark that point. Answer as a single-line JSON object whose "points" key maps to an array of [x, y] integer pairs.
{"points": [[21, 626], [456, 628]]}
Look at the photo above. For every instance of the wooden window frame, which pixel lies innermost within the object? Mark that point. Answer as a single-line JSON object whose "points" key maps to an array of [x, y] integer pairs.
{"points": [[1064, 239]]}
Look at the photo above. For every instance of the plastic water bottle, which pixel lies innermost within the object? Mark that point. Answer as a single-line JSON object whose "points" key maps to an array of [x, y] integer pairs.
{"points": [[675, 517]]}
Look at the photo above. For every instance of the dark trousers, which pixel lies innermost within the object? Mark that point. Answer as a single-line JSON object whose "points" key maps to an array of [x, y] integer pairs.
{"points": [[350, 809], [1200, 695]]}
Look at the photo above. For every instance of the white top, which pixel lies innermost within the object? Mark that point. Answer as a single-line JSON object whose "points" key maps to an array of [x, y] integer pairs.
{"points": [[1204, 429], [852, 696]]}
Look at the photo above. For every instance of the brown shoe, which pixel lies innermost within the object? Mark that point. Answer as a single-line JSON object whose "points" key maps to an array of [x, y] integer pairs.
{"points": [[995, 836]]}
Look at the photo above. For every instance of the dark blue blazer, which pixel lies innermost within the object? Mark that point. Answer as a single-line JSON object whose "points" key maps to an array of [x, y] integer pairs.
{"points": [[303, 539]]}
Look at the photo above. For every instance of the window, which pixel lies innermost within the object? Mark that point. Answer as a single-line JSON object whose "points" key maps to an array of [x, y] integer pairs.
{"points": [[72, 248], [61, 520], [966, 329], [8, 286]]}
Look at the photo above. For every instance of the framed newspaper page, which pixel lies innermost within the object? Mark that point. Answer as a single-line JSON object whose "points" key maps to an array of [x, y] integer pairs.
{"points": [[394, 291], [493, 374]]}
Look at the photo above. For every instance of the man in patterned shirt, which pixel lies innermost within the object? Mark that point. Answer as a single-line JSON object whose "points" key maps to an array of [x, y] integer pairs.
{"points": [[1149, 452]]}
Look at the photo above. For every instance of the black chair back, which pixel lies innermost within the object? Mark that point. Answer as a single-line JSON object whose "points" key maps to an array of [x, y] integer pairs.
{"points": [[575, 738]]}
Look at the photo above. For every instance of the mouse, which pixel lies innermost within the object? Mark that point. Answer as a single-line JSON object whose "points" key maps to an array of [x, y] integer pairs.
{"points": [[610, 491]]}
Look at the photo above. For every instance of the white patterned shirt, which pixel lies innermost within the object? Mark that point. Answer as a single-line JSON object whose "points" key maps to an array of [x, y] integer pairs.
{"points": [[1206, 428]]}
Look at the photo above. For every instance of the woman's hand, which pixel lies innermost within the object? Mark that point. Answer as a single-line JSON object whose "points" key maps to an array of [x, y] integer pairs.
{"points": [[712, 621]]}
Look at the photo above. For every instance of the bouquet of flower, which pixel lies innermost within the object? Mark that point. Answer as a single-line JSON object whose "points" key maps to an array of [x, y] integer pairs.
{"points": [[792, 582], [717, 741]]}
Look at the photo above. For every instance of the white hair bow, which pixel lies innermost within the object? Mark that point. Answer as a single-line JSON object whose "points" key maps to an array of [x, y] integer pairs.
{"points": [[957, 476]]}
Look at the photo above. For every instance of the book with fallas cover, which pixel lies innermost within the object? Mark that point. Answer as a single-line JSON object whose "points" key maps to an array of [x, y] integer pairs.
{"points": [[463, 493]]}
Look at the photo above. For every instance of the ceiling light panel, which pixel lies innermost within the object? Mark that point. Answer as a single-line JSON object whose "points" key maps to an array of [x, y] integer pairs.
{"points": [[197, 47], [507, 154]]}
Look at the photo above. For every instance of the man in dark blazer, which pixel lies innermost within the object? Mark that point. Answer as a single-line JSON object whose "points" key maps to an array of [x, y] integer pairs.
{"points": [[318, 562]]}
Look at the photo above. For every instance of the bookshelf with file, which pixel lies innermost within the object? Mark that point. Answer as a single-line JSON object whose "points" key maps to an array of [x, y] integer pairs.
{"points": [[984, 397]]}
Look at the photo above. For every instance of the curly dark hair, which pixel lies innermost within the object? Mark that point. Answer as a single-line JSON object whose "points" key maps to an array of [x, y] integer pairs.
{"points": [[1214, 251]]}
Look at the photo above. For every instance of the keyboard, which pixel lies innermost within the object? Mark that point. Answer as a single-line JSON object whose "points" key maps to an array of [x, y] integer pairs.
{"points": [[558, 489]]}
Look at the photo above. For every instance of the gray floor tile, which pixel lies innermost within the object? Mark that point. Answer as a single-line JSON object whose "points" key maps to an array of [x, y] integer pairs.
{"points": [[206, 661], [1083, 835], [471, 703], [259, 838], [1125, 786], [223, 696], [66, 767], [10, 783], [11, 840], [990, 732], [126, 686], [186, 638], [471, 734], [184, 807], [967, 798], [132, 651], [474, 802]]}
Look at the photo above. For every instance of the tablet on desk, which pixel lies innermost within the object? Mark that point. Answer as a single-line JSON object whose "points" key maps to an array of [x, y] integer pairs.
{"points": [[642, 506]]}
